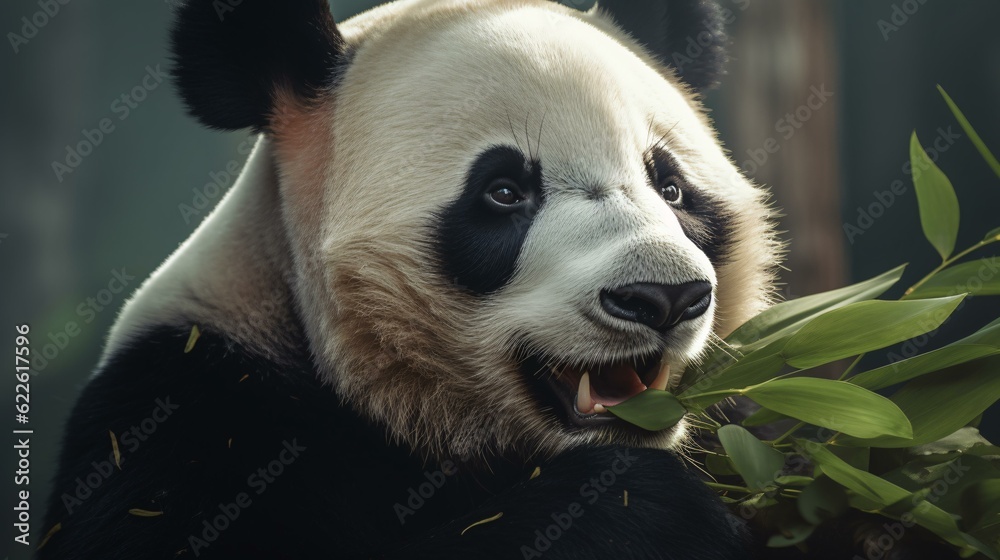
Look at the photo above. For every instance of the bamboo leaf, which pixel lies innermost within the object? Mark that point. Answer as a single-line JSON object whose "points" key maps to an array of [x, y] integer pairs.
{"points": [[887, 495], [980, 502], [837, 405], [940, 403], [971, 133], [751, 369], [939, 213], [719, 465], [759, 464], [652, 410], [793, 480], [781, 321], [762, 417], [490, 519], [822, 500], [144, 512], [936, 360], [865, 484], [192, 339], [784, 318], [791, 535], [864, 326], [979, 278]]}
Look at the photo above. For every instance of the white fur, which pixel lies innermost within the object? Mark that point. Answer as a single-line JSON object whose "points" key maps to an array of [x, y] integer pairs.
{"points": [[341, 221]]}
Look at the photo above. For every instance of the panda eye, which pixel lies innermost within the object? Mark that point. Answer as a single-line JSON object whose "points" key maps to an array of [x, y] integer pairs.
{"points": [[670, 192], [504, 195]]}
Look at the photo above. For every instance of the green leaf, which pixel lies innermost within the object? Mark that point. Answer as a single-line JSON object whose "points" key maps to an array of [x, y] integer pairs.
{"points": [[877, 491], [791, 535], [962, 441], [938, 404], [979, 278], [971, 133], [955, 353], [945, 526], [980, 503], [719, 465], [779, 322], [762, 417], [784, 318], [821, 501], [864, 326], [652, 410], [837, 405], [755, 461], [863, 483], [753, 368], [916, 366], [936, 198], [857, 457], [988, 335], [993, 234], [793, 480]]}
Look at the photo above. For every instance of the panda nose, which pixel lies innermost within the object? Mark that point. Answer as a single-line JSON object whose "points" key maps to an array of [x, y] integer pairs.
{"points": [[659, 306]]}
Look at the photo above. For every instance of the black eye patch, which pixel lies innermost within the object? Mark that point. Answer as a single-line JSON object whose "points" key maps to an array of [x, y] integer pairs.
{"points": [[478, 237], [704, 218]]}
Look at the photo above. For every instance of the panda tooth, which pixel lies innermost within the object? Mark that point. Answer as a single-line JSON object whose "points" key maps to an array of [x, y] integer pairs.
{"points": [[661, 378], [599, 408], [584, 404]]}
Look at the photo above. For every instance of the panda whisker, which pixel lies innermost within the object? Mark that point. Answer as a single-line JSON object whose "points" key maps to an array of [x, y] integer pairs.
{"points": [[540, 125], [649, 134], [512, 133], [687, 455], [663, 137], [527, 137]]}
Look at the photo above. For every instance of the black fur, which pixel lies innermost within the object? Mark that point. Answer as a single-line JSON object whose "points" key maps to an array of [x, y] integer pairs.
{"points": [[688, 35], [476, 245], [705, 220], [230, 55], [232, 414]]}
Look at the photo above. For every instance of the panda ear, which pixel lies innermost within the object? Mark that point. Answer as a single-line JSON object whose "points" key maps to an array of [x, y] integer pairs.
{"points": [[688, 35], [230, 57]]}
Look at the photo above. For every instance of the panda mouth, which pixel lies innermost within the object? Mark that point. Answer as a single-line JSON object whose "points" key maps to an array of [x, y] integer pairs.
{"points": [[584, 392]]}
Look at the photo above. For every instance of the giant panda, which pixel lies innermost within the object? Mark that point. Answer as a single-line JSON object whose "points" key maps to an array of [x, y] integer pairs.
{"points": [[467, 227]]}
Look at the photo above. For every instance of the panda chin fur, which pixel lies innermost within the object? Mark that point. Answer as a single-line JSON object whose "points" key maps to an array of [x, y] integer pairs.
{"points": [[358, 293]]}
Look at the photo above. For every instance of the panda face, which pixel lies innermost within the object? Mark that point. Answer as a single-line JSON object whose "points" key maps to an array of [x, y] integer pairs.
{"points": [[506, 220]]}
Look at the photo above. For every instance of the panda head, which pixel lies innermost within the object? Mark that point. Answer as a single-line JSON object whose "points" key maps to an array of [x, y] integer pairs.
{"points": [[502, 216]]}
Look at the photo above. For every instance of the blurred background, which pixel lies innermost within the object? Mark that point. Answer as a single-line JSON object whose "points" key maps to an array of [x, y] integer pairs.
{"points": [[819, 104]]}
